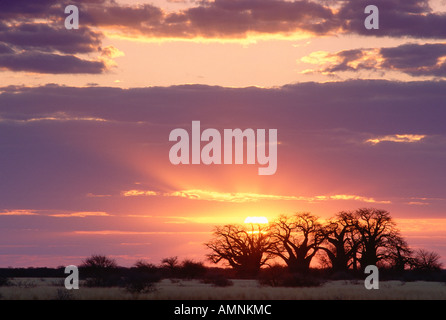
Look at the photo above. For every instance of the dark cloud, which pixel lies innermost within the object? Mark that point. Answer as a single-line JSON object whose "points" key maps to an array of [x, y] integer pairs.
{"points": [[19, 9], [81, 140], [49, 63], [113, 14], [240, 18], [50, 38], [397, 18], [416, 60], [5, 49], [413, 59], [220, 18], [33, 38], [22, 28]]}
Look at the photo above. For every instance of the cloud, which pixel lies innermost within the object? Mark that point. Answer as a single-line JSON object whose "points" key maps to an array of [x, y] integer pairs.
{"points": [[33, 39], [242, 19], [226, 196], [398, 18], [125, 232], [413, 59], [18, 213], [136, 193], [5, 49], [21, 9], [353, 197], [405, 138], [418, 203], [416, 60], [323, 127], [92, 195], [50, 63], [50, 213], [81, 214], [57, 116], [217, 19], [241, 197], [420, 226], [51, 38]]}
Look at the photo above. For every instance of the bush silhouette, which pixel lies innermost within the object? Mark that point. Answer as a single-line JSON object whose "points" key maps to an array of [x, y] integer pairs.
{"points": [[272, 276], [217, 280], [191, 270], [100, 271], [4, 281], [140, 281], [275, 277]]}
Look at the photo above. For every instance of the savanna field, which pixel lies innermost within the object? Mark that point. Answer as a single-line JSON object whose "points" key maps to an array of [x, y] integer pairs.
{"points": [[180, 289]]}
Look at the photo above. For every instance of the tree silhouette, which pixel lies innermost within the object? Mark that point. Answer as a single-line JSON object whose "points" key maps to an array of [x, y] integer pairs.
{"points": [[400, 255], [170, 262], [170, 265], [378, 235], [341, 241], [351, 240], [246, 248], [296, 240], [426, 260]]}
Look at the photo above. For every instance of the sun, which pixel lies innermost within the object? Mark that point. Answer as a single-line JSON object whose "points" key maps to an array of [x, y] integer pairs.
{"points": [[256, 220]]}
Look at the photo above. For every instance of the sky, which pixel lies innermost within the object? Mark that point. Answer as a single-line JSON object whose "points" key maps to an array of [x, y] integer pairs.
{"points": [[85, 118]]}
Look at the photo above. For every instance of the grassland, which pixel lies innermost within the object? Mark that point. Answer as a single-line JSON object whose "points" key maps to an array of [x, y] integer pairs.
{"points": [[53, 288]]}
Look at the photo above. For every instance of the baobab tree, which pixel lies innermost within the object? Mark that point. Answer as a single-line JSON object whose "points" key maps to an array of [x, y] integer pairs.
{"points": [[246, 248], [341, 241], [296, 239], [400, 255], [378, 235]]}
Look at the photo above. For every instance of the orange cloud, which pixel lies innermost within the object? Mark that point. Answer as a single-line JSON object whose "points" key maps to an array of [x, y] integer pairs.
{"points": [[135, 193], [420, 226], [81, 214], [123, 232], [92, 195], [18, 213], [240, 197], [58, 116], [405, 138]]}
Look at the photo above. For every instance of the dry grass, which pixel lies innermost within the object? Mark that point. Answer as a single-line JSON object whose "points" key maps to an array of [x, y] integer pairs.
{"points": [[44, 289]]}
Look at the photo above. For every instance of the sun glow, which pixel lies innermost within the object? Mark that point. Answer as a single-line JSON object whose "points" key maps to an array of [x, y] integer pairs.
{"points": [[256, 220]]}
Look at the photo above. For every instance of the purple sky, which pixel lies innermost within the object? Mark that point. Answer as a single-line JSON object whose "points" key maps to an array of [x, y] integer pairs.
{"points": [[85, 117]]}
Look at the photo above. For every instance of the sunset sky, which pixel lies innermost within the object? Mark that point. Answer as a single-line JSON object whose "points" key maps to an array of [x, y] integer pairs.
{"points": [[85, 117]]}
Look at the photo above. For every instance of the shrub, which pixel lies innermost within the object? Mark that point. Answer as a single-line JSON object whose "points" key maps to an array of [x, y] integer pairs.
{"points": [[272, 276], [192, 270], [4, 281], [345, 275], [275, 278], [100, 271], [146, 266], [138, 281], [141, 278], [64, 294], [217, 280], [299, 280]]}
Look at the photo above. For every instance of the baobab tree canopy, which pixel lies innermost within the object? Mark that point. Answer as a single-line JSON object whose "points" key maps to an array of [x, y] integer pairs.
{"points": [[349, 240]]}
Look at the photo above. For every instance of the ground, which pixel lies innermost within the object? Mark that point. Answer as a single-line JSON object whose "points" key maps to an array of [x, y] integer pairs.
{"points": [[51, 288]]}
